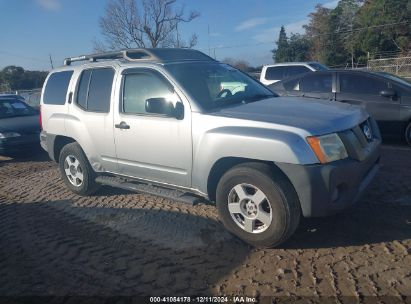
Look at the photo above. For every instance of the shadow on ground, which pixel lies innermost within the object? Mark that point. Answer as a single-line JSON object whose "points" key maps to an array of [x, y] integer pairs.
{"points": [[55, 248], [36, 154]]}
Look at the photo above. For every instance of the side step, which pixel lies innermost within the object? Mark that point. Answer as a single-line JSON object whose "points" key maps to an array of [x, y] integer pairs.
{"points": [[177, 195]]}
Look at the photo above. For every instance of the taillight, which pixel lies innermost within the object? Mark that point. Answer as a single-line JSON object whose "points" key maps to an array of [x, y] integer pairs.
{"points": [[41, 121]]}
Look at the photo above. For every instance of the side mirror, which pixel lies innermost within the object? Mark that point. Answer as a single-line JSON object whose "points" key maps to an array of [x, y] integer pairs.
{"points": [[389, 93], [179, 110], [163, 107]]}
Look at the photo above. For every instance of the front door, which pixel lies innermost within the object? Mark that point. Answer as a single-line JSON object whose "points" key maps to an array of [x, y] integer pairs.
{"points": [[148, 146], [364, 90]]}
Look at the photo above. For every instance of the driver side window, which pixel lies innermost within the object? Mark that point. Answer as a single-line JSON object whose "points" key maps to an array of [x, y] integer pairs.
{"points": [[139, 87]]}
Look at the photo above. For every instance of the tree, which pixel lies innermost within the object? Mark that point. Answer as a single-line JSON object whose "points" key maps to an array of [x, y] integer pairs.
{"points": [[395, 35], [317, 30], [298, 47], [16, 78], [281, 54], [238, 64], [143, 23], [341, 49]]}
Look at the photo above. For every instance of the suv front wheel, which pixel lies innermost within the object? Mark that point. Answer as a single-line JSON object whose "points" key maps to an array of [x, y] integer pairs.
{"points": [[76, 171], [258, 204]]}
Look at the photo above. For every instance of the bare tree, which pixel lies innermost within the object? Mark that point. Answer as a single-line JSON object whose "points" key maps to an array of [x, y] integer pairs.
{"points": [[143, 23], [238, 64]]}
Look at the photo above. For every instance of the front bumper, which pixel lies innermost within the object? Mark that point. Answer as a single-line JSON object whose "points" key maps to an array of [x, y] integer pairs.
{"points": [[327, 189], [19, 145]]}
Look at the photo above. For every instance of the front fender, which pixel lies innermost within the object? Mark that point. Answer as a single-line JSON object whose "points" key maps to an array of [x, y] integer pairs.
{"points": [[250, 143]]}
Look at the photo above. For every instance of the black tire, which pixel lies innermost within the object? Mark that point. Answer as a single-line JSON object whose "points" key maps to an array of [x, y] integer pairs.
{"points": [[280, 195], [408, 134], [88, 184]]}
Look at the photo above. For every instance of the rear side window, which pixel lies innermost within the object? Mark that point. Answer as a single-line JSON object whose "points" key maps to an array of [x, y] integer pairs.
{"points": [[295, 70], [316, 83], [282, 72], [361, 84], [275, 73], [56, 88], [94, 89]]}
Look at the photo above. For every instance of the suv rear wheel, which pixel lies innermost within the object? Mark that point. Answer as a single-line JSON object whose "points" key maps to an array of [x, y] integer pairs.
{"points": [[76, 171], [258, 204]]}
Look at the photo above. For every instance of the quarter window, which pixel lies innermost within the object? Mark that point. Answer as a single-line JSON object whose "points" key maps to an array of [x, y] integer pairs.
{"points": [[359, 84], [56, 88], [139, 87], [94, 90]]}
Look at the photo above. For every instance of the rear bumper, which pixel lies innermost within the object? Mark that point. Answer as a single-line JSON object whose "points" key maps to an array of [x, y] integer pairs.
{"points": [[43, 140], [19, 145], [327, 189], [47, 143]]}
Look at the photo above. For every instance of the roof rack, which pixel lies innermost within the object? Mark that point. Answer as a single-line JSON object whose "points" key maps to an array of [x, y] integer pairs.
{"points": [[154, 54], [129, 54]]}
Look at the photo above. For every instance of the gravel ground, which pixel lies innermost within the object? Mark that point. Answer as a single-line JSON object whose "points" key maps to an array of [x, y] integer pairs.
{"points": [[53, 242]]}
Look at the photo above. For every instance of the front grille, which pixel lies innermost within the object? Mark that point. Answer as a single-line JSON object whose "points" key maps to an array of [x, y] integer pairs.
{"points": [[367, 130], [361, 140]]}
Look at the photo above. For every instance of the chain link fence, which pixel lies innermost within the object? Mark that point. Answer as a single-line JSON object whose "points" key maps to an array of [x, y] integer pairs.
{"points": [[400, 66]]}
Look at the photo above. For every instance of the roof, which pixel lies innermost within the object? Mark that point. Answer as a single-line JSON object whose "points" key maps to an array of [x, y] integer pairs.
{"points": [[145, 55], [293, 63]]}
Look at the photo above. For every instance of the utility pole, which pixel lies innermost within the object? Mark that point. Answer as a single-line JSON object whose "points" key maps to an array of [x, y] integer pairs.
{"points": [[208, 32], [51, 62]]}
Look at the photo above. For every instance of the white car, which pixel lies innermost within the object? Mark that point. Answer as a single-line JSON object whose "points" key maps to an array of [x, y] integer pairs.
{"points": [[275, 72]]}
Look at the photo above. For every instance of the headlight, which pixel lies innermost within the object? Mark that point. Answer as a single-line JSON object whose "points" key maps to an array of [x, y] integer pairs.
{"points": [[9, 134], [328, 147]]}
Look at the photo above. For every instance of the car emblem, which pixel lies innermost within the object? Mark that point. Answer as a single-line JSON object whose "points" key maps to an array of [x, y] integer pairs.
{"points": [[367, 132]]}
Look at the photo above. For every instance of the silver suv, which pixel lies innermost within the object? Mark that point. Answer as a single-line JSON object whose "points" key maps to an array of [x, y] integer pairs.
{"points": [[176, 123]]}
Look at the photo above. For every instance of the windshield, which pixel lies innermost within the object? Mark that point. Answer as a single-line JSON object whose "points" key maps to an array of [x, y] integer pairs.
{"points": [[14, 107], [396, 78], [215, 85]]}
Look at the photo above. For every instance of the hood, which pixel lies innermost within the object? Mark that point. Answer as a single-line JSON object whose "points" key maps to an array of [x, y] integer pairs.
{"points": [[313, 115], [20, 124]]}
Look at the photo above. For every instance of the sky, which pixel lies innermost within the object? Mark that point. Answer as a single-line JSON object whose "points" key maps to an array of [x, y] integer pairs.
{"points": [[34, 30]]}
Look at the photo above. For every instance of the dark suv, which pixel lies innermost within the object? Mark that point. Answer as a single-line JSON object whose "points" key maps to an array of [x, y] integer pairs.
{"points": [[386, 97]]}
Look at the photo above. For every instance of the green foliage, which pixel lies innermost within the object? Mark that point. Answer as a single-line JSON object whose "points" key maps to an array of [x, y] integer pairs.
{"points": [[316, 31], [281, 54], [375, 39], [16, 78], [293, 49], [346, 34]]}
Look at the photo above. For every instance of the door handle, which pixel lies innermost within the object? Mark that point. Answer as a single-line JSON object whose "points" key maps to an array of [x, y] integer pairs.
{"points": [[122, 125]]}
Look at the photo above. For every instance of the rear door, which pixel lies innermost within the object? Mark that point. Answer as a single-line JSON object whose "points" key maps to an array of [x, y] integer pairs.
{"points": [[317, 85], [313, 85], [90, 119], [364, 90]]}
